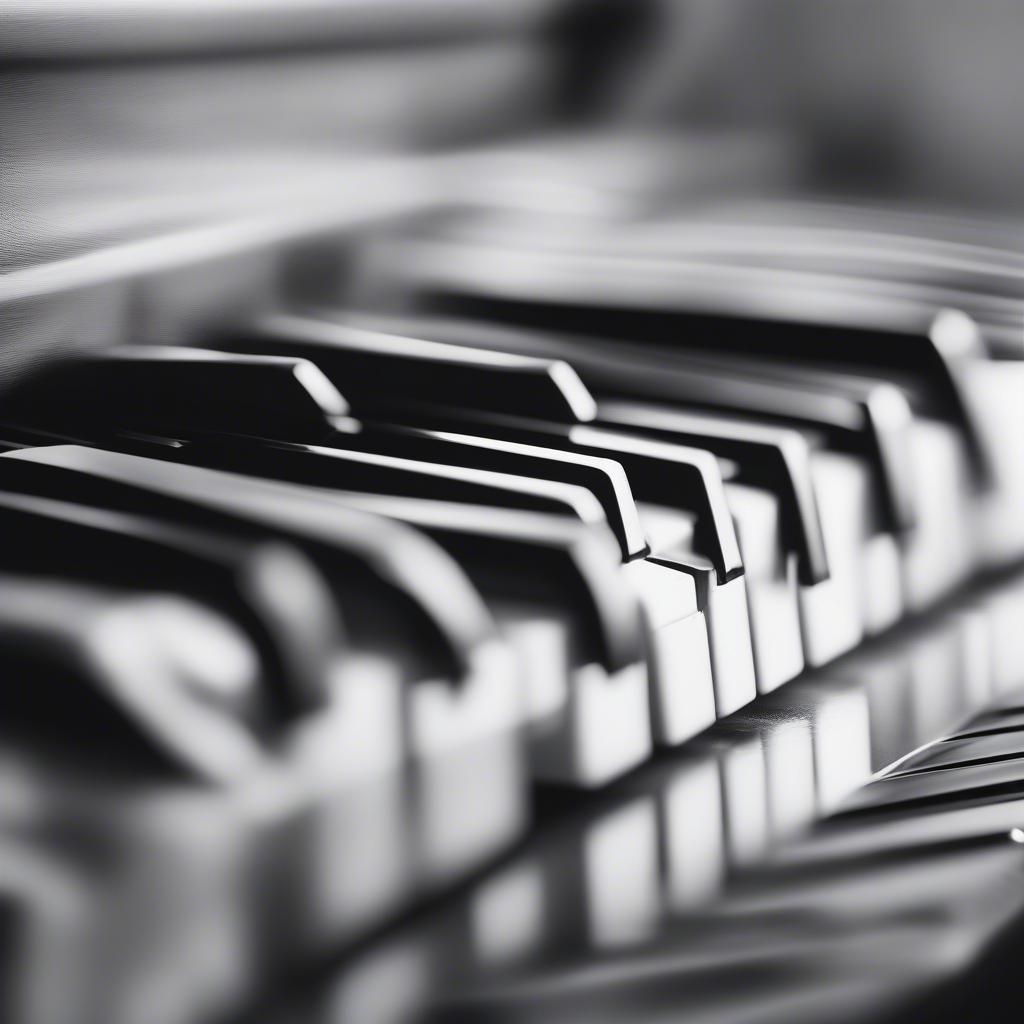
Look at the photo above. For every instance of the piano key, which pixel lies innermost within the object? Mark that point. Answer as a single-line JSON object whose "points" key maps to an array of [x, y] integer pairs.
{"points": [[388, 373], [771, 577], [605, 478], [270, 590], [994, 389], [156, 678], [161, 389]]}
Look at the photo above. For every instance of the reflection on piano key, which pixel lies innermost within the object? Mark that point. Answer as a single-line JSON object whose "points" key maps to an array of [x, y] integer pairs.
{"points": [[621, 867], [693, 831], [507, 915]]}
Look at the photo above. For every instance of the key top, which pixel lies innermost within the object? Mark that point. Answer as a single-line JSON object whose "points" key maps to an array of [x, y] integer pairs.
{"points": [[332, 466]]}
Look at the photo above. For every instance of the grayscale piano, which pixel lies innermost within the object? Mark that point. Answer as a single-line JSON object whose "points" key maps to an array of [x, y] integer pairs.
{"points": [[511, 511]]}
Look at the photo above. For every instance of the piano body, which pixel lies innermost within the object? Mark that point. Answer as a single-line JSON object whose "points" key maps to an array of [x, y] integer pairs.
{"points": [[510, 511]]}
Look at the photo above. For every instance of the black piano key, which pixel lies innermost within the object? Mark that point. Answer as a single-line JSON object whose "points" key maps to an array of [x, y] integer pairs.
{"points": [[130, 677], [169, 389], [294, 624], [605, 478], [350, 468], [384, 373]]}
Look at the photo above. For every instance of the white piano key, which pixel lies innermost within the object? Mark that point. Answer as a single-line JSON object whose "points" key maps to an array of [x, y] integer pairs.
{"points": [[682, 683], [468, 791], [939, 553], [830, 611], [996, 393], [732, 657], [771, 586], [606, 730], [354, 759], [540, 644]]}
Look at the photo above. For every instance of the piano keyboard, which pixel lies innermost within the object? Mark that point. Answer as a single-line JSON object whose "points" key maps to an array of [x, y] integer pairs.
{"points": [[611, 632], [489, 534]]}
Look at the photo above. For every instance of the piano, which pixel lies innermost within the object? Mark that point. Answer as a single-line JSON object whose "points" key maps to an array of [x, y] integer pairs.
{"points": [[510, 512]]}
